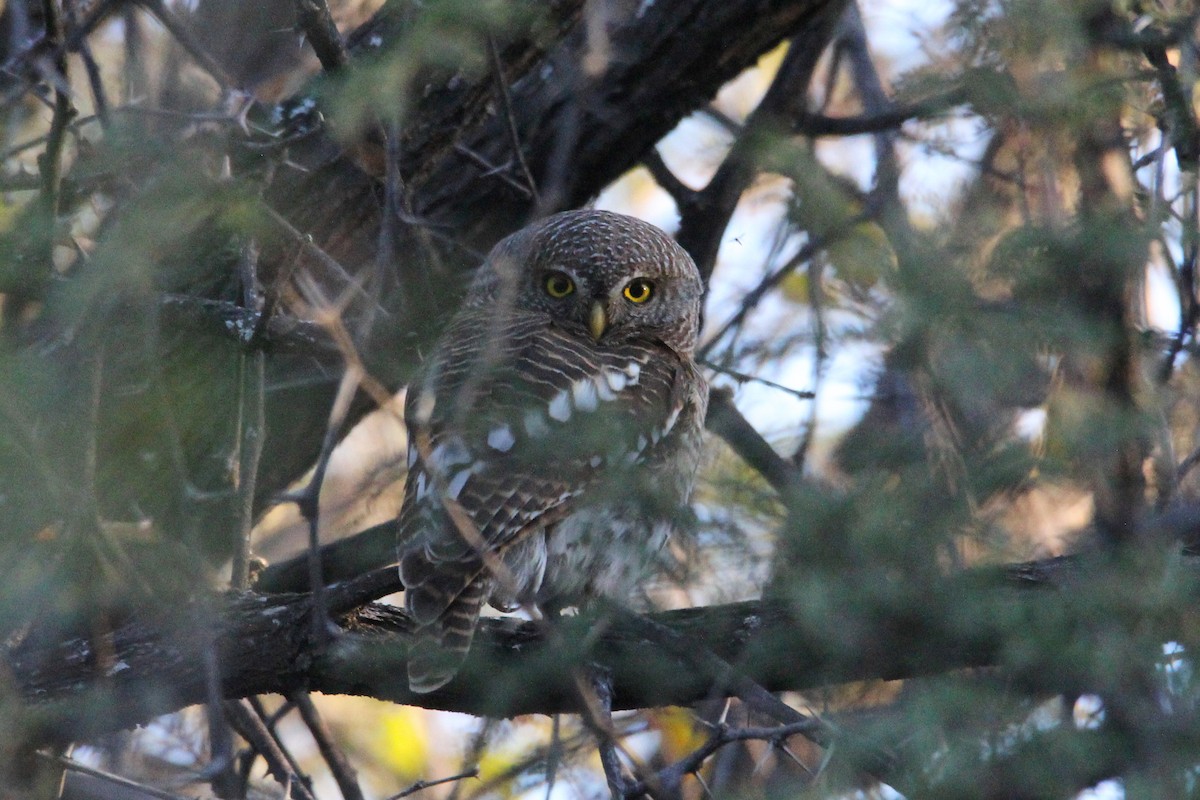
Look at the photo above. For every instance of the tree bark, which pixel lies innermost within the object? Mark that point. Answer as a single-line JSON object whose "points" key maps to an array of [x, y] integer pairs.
{"points": [[583, 117], [74, 689]]}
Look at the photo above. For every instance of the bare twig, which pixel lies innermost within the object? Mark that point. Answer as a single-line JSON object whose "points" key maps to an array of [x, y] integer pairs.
{"points": [[133, 74], [95, 83], [491, 169], [251, 415], [316, 21], [180, 32], [703, 221], [420, 785], [757, 699], [594, 684], [339, 766], [1188, 464], [813, 246], [742, 377], [672, 776], [883, 121], [108, 777], [472, 754], [253, 730], [514, 137], [64, 111], [307, 245]]}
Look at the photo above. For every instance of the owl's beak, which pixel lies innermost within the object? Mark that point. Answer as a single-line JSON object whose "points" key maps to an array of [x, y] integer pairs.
{"points": [[597, 320]]}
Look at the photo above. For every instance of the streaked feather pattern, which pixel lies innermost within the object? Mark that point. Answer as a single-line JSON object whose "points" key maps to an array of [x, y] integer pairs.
{"points": [[520, 417]]}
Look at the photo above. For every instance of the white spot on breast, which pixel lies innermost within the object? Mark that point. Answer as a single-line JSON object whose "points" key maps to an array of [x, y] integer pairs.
{"points": [[560, 406], [641, 444], [412, 456], [595, 461], [615, 380], [535, 424], [602, 389], [422, 485], [584, 392], [634, 370], [501, 438], [672, 418], [448, 454], [455, 487], [425, 405]]}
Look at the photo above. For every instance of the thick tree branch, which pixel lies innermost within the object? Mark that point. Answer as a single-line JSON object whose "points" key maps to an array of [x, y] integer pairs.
{"points": [[464, 186], [517, 668]]}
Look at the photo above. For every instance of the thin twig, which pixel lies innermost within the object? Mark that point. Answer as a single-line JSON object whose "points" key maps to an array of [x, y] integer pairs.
{"points": [[221, 770], [816, 125], [181, 34], [594, 684], [339, 766], [133, 73], [514, 138], [554, 752], [491, 169], [420, 785], [473, 754], [704, 221], [251, 415], [316, 21], [742, 377], [727, 679], [307, 245], [108, 777], [51, 160], [95, 83], [254, 730], [773, 279], [1187, 465], [671, 776]]}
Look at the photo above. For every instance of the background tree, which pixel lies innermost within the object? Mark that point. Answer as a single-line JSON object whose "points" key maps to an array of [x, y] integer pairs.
{"points": [[230, 232]]}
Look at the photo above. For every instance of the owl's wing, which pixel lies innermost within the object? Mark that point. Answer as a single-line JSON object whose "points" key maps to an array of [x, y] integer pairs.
{"points": [[506, 428]]}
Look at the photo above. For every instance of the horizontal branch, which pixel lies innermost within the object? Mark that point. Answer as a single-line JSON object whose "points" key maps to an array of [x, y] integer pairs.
{"points": [[153, 666], [821, 125]]}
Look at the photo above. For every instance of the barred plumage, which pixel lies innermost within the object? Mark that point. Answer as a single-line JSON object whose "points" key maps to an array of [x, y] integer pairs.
{"points": [[566, 378]]}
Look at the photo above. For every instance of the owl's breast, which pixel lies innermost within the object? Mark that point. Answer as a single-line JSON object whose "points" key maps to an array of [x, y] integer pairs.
{"points": [[609, 543]]}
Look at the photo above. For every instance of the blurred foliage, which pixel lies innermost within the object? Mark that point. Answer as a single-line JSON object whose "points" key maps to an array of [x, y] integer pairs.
{"points": [[1030, 383]]}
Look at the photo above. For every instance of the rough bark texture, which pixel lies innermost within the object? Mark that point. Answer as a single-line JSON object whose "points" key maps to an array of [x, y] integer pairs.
{"points": [[155, 666], [455, 166], [152, 666]]}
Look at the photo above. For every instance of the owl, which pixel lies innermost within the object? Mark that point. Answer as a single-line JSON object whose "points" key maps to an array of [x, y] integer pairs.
{"points": [[554, 432]]}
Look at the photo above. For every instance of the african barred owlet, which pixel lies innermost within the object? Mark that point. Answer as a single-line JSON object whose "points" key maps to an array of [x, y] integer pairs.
{"points": [[554, 432]]}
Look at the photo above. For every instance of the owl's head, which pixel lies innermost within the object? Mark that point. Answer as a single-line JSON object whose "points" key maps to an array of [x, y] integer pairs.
{"points": [[599, 274]]}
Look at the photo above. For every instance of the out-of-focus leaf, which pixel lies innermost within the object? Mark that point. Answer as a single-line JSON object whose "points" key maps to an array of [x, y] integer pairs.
{"points": [[863, 256], [403, 742], [680, 733], [795, 287]]}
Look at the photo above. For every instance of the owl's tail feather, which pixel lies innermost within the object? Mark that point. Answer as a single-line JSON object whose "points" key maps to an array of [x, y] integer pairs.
{"points": [[432, 587], [439, 648]]}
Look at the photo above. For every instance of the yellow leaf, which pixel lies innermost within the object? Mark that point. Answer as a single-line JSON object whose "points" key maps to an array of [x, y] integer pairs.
{"points": [[403, 743], [795, 287], [680, 733], [862, 256]]}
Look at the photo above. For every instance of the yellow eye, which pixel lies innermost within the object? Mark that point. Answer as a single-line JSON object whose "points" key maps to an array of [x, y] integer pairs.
{"points": [[559, 284], [638, 290]]}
